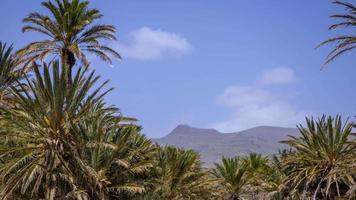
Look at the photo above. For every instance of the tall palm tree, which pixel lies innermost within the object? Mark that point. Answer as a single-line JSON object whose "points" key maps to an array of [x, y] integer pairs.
{"points": [[41, 157], [234, 176], [323, 164], [179, 175], [10, 73], [69, 34], [344, 43]]}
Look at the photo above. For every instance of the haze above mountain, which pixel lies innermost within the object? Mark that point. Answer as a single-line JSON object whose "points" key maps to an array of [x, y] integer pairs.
{"points": [[212, 144]]}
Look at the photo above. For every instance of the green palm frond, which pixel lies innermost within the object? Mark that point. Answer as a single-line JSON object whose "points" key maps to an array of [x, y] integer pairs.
{"points": [[344, 43], [10, 73]]}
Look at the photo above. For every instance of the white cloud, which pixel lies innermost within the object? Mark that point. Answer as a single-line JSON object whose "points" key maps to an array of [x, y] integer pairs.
{"points": [[257, 105], [241, 95], [147, 43], [278, 75]]}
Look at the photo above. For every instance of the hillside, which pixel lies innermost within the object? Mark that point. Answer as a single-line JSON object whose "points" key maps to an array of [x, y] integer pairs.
{"points": [[212, 144]]}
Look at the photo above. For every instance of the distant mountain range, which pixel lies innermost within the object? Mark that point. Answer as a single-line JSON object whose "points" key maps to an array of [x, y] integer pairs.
{"points": [[212, 144]]}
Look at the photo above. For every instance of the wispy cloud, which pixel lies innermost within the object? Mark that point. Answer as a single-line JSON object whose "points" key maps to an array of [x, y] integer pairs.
{"points": [[278, 75], [257, 105], [147, 44], [237, 95]]}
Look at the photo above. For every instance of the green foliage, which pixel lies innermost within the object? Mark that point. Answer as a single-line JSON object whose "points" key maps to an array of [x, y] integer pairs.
{"points": [[69, 145], [179, 175], [116, 152], [323, 163], [60, 142], [38, 129], [233, 173]]}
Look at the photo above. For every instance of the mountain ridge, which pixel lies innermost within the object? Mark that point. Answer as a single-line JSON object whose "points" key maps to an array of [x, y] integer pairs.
{"points": [[212, 144]]}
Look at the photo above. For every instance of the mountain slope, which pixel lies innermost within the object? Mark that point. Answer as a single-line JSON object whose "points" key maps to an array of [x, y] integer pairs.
{"points": [[212, 144]]}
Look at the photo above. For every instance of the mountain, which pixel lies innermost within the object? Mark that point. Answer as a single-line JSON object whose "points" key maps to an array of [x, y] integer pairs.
{"points": [[212, 144]]}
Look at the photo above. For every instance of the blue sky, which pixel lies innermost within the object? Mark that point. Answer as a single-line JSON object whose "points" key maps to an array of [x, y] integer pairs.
{"points": [[230, 64]]}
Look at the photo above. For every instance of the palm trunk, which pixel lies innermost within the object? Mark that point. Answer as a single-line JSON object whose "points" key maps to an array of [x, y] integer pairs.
{"points": [[68, 61], [233, 197], [50, 188], [50, 193]]}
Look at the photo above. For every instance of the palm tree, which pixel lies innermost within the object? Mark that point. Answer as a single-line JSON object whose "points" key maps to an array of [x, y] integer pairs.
{"points": [[41, 157], [260, 172], [10, 74], [345, 43], [275, 176], [115, 151], [69, 34], [179, 175], [234, 176], [323, 164]]}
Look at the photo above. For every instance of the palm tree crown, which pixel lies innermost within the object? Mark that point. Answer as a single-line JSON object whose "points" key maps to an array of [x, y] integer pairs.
{"points": [[69, 33], [234, 176], [323, 161], [179, 175]]}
